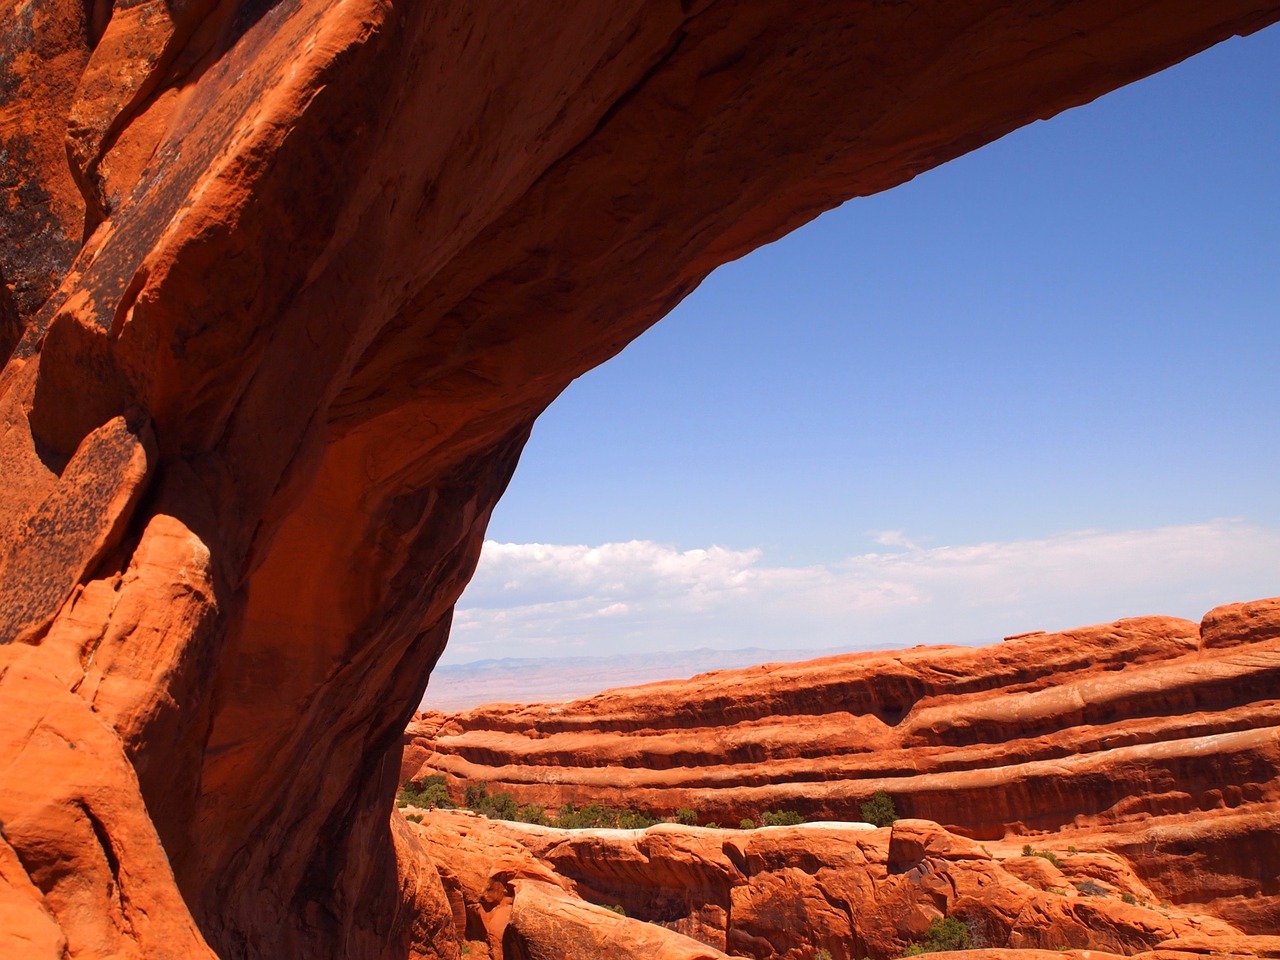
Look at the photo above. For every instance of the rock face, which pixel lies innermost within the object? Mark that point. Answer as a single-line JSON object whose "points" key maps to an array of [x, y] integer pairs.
{"points": [[285, 284], [1154, 739], [508, 903], [787, 893]]}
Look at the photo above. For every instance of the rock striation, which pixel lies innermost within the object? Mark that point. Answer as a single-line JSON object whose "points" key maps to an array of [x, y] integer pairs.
{"points": [[789, 893], [284, 285], [1153, 740]]}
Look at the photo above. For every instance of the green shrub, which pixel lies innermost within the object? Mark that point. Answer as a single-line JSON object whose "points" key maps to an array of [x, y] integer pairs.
{"points": [[592, 815], [781, 818], [430, 793], [879, 810], [1129, 898], [686, 816], [597, 815], [746, 823], [944, 933], [475, 795], [1091, 888], [947, 933], [532, 813], [501, 806], [634, 820], [616, 908], [498, 806], [1030, 851]]}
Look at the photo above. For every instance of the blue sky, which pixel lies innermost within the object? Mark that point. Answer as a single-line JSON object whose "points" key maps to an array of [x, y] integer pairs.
{"points": [[1054, 360]]}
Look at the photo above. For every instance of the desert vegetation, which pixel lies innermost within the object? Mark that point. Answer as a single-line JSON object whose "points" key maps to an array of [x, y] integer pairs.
{"points": [[944, 933], [1030, 851], [1093, 872], [432, 793], [879, 810]]}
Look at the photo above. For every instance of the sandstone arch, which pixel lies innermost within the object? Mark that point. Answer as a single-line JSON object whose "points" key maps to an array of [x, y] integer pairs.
{"points": [[287, 283]]}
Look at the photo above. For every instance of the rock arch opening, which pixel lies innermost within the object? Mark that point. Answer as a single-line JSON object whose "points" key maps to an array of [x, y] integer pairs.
{"points": [[337, 276]]}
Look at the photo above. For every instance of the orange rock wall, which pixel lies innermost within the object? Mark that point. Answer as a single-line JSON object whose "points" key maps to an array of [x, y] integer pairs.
{"points": [[285, 285], [1155, 738], [787, 893]]}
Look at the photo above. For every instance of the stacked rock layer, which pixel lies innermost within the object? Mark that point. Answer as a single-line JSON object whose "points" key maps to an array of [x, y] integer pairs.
{"points": [[1155, 739], [283, 286], [839, 890]]}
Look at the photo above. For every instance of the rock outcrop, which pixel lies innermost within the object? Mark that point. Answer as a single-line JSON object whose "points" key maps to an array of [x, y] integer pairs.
{"points": [[285, 284], [508, 904], [1154, 740], [789, 893]]}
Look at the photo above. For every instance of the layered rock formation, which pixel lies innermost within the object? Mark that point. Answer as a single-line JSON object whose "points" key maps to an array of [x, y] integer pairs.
{"points": [[843, 890], [1156, 740], [285, 283]]}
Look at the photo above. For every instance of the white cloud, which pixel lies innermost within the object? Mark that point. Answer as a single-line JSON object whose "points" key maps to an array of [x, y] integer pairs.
{"points": [[548, 599], [892, 538]]}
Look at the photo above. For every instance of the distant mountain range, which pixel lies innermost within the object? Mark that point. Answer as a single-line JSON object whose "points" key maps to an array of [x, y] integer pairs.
{"points": [[553, 680]]}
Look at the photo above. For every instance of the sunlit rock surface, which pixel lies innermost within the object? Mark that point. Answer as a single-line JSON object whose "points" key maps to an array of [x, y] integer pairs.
{"points": [[791, 892], [1154, 742], [285, 285]]}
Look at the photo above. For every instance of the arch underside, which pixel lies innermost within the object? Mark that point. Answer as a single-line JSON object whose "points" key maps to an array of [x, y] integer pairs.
{"points": [[286, 286]]}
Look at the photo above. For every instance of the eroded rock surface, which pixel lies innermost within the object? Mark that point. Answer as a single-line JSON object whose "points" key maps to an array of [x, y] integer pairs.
{"points": [[1143, 754], [787, 893], [284, 285]]}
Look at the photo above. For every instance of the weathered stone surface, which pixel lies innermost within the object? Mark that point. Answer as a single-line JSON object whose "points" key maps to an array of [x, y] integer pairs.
{"points": [[1096, 725], [508, 904], [1241, 623], [58, 543], [785, 893], [83, 869], [1134, 740], [44, 46], [336, 256], [547, 925]]}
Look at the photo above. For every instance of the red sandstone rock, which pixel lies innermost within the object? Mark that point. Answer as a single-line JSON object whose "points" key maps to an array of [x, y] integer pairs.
{"points": [[912, 841], [547, 925], [508, 904], [1099, 725], [83, 871], [1220, 946], [326, 261], [1241, 623], [787, 892], [1146, 761]]}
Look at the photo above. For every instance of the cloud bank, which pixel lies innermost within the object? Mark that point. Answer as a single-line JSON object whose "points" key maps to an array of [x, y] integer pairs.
{"points": [[538, 600]]}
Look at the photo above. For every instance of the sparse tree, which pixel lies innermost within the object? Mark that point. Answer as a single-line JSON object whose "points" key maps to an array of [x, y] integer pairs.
{"points": [[879, 810]]}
